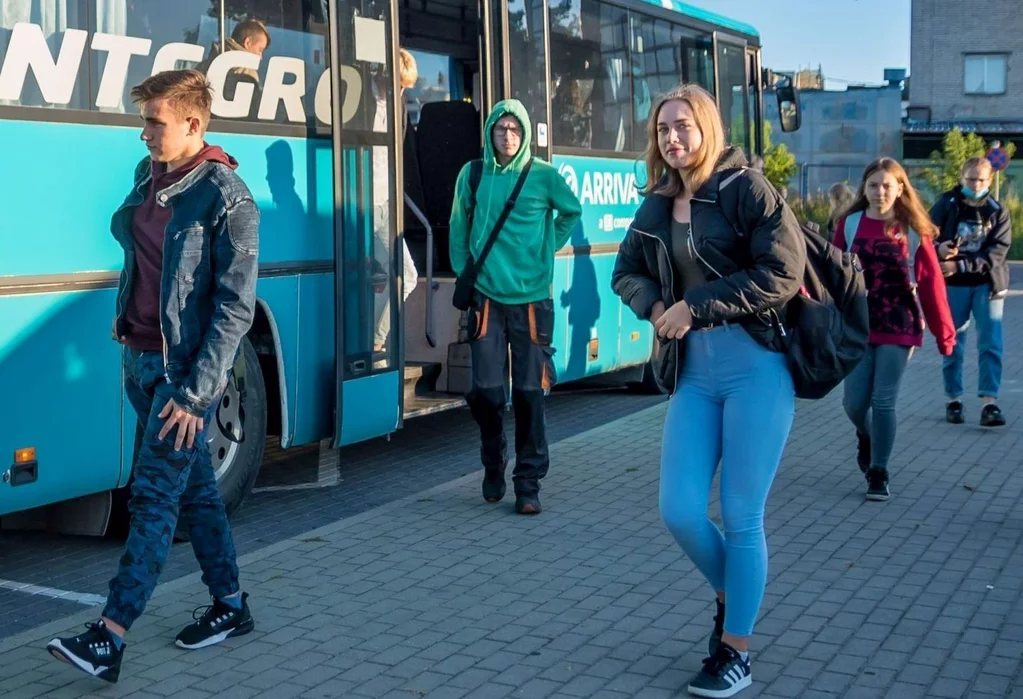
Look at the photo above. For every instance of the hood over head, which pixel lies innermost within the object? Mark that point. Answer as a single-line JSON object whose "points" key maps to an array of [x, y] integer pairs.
{"points": [[517, 110]]}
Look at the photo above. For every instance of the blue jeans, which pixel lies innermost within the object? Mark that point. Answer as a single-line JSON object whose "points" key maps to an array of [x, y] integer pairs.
{"points": [[871, 391], [734, 405], [976, 300], [164, 481]]}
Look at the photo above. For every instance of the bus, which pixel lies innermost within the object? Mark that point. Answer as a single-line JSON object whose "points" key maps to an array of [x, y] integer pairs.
{"points": [[336, 355]]}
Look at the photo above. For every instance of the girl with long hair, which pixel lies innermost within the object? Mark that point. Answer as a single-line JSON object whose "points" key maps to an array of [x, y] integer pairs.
{"points": [[714, 296], [889, 229]]}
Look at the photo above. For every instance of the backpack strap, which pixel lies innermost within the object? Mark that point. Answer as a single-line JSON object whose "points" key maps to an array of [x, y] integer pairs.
{"points": [[475, 177], [852, 224]]}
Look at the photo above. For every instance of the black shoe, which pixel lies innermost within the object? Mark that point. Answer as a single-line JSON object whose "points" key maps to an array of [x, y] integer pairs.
{"points": [[527, 504], [877, 484], [93, 652], [862, 451], [494, 486], [991, 416], [954, 412], [724, 674], [719, 628], [214, 623]]}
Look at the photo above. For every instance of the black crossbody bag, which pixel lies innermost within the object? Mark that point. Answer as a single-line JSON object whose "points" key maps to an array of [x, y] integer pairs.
{"points": [[465, 284]]}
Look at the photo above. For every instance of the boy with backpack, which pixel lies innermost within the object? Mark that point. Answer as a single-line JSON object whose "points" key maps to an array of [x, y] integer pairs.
{"points": [[503, 239]]}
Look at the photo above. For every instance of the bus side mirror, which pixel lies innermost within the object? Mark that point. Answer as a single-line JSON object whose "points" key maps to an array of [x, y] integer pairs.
{"points": [[788, 108]]}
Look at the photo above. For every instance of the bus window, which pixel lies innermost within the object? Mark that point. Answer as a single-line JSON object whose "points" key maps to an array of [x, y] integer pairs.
{"points": [[591, 79], [657, 65], [436, 75], [527, 52], [698, 55], [732, 100]]}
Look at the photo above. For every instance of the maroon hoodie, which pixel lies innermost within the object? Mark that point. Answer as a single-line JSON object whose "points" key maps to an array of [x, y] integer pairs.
{"points": [[142, 318]]}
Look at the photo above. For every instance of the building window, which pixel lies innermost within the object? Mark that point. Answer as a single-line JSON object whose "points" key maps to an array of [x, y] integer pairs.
{"points": [[984, 74]]}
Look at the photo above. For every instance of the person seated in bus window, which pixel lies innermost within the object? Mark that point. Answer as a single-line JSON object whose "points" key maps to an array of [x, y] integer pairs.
{"points": [[408, 73], [251, 36], [514, 305], [186, 298]]}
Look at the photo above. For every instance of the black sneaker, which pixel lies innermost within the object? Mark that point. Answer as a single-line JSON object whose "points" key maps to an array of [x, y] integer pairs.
{"points": [[877, 484], [527, 504], [954, 412], [863, 451], [991, 416], [214, 623], [494, 486], [719, 628], [724, 674], [93, 652]]}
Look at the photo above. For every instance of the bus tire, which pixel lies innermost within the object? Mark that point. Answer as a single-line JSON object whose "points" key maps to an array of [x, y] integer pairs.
{"points": [[235, 464]]}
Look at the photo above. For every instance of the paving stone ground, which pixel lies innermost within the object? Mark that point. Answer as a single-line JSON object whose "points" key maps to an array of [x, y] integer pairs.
{"points": [[442, 596]]}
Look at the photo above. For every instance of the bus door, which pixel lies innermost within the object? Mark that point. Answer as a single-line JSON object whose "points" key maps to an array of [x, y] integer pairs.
{"points": [[733, 89], [367, 263], [756, 98]]}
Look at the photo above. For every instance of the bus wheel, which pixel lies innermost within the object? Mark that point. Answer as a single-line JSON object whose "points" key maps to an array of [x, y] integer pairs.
{"points": [[237, 439]]}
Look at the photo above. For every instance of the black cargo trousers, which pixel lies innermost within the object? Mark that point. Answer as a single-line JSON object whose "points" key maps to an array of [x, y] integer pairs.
{"points": [[528, 330]]}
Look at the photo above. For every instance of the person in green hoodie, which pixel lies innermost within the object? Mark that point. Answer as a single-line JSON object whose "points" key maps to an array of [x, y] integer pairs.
{"points": [[514, 305]]}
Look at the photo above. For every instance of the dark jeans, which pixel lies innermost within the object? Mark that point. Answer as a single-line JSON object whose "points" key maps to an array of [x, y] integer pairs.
{"points": [[871, 391], [527, 329], [164, 481]]}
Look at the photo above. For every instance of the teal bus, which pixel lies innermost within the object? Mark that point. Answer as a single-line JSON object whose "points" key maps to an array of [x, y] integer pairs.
{"points": [[337, 353]]}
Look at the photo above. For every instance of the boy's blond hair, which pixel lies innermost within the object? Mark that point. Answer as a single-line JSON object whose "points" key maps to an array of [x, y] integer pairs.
{"points": [[188, 93], [408, 71]]}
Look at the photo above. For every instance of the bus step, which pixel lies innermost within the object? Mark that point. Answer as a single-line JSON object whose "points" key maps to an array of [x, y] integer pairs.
{"points": [[420, 405], [421, 378]]}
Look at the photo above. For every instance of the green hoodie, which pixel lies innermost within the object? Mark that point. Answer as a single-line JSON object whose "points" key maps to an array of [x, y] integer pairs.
{"points": [[520, 267]]}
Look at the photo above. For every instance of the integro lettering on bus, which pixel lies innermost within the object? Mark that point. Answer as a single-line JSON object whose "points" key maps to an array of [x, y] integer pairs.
{"points": [[285, 81]]}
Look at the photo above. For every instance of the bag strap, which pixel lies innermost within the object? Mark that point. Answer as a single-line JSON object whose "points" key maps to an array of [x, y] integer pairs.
{"points": [[475, 177], [508, 206]]}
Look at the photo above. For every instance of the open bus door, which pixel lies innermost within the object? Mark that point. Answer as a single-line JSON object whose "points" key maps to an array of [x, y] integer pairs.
{"points": [[364, 110]]}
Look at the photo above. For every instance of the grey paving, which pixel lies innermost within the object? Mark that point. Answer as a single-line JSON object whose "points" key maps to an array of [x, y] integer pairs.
{"points": [[428, 451], [441, 595]]}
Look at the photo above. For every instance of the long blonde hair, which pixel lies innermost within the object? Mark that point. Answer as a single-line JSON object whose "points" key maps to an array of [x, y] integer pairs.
{"points": [[909, 210], [662, 178]]}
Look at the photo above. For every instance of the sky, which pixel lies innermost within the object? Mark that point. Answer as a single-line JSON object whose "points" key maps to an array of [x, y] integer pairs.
{"points": [[852, 40]]}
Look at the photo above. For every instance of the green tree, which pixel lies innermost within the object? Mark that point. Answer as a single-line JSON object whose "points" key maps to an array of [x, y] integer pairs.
{"points": [[779, 163], [956, 148]]}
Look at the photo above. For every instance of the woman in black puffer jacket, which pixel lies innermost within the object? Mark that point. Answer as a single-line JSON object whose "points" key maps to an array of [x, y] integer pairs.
{"points": [[714, 295]]}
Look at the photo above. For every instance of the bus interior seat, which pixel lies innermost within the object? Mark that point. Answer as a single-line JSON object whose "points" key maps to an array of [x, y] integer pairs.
{"points": [[448, 136], [415, 233]]}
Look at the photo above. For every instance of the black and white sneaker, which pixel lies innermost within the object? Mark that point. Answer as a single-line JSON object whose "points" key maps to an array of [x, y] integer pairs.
{"points": [[93, 652], [724, 674], [215, 623], [991, 416], [877, 485]]}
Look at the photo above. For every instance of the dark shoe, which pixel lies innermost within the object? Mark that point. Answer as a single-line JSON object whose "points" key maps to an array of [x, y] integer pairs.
{"points": [[863, 451], [719, 628], [494, 486], [93, 652], [954, 412], [724, 674], [991, 416], [215, 623], [527, 504], [877, 484]]}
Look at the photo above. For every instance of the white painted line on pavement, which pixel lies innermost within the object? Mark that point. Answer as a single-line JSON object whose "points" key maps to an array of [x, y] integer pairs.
{"points": [[79, 597]]}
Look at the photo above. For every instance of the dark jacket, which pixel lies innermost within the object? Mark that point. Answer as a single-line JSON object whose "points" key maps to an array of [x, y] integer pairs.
{"points": [[747, 280], [208, 285], [983, 262]]}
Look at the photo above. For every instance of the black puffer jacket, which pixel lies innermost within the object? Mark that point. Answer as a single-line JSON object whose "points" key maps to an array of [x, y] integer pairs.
{"points": [[746, 279]]}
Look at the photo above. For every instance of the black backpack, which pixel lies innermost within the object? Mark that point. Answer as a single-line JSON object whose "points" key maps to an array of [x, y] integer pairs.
{"points": [[826, 327]]}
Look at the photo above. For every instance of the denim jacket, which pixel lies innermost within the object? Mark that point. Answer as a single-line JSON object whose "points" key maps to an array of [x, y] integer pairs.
{"points": [[208, 285]]}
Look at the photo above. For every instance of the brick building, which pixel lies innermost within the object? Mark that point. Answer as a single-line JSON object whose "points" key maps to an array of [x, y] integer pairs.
{"points": [[967, 68]]}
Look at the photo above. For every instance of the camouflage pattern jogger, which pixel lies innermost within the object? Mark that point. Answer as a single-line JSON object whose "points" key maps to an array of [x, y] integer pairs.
{"points": [[164, 481]]}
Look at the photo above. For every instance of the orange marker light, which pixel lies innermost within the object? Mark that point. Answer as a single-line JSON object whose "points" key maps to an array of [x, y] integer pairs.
{"points": [[23, 456]]}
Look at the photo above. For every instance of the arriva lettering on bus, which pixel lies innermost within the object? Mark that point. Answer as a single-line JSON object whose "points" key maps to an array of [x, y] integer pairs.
{"points": [[602, 188], [285, 82]]}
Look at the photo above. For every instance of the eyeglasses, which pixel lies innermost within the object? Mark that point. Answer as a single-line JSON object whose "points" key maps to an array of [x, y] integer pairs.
{"points": [[502, 130]]}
